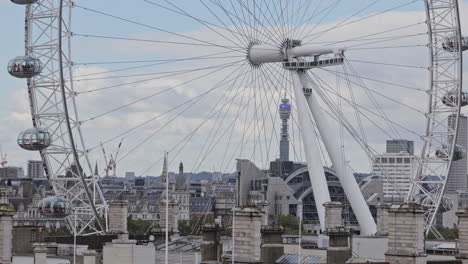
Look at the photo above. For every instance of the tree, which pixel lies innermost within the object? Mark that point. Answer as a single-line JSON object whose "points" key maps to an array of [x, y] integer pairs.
{"points": [[63, 231], [447, 233], [194, 225], [290, 223], [137, 226], [184, 227]]}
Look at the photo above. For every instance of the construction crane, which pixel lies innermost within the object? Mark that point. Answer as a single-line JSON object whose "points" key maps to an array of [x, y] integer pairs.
{"points": [[111, 162], [3, 158]]}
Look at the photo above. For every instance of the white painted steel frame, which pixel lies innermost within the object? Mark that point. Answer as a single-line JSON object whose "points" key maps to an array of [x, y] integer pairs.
{"points": [[317, 177], [338, 158], [53, 107], [443, 22], [48, 109]]}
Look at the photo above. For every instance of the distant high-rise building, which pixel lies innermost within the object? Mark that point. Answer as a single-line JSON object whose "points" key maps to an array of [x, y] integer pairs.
{"points": [[400, 145], [11, 173], [457, 178], [285, 114], [36, 169], [129, 174], [396, 167]]}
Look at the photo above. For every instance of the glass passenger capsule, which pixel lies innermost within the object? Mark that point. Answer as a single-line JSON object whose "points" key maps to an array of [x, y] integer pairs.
{"points": [[34, 139], [451, 44], [23, 2], [55, 207], [458, 154], [24, 67], [451, 99]]}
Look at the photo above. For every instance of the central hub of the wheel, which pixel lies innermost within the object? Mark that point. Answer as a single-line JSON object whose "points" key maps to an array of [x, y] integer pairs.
{"points": [[290, 51]]}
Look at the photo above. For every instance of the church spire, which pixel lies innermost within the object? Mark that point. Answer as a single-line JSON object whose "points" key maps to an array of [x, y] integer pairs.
{"points": [[164, 175]]}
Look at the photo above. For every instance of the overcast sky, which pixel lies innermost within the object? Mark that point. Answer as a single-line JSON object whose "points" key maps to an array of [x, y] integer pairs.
{"points": [[260, 139]]}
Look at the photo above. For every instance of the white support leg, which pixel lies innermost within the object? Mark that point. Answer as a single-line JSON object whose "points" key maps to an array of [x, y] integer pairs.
{"points": [[312, 152], [343, 171]]}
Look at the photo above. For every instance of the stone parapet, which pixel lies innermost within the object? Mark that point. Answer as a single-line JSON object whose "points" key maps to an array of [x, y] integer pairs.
{"points": [[173, 207], [272, 234], [405, 234], [333, 216], [272, 244], [89, 257], [40, 254], [338, 251], [127, 252], [247, 236], [382, 219], [118, 212], [6, 235], [211, 248], [462, 243]]}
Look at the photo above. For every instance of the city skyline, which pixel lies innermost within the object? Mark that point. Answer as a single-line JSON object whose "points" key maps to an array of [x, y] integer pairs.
{"points": [[230, 128]]}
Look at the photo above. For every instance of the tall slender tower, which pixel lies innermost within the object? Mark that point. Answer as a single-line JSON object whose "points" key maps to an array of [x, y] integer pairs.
{"points": [[164, 171], [180, 180], [285, 114], [457, 179]]}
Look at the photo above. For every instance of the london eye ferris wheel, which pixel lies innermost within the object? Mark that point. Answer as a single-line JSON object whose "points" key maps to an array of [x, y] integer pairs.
{"points": [[202, 79]]}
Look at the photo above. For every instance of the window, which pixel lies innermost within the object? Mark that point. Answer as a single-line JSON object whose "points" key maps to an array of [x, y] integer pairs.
{"points": [[399, 160], [33, 235], [391, 160]]}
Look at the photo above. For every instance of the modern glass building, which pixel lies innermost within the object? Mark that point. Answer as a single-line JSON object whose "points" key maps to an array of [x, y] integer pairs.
{"points": [[302, 188], [400, 145], [457, 179]]}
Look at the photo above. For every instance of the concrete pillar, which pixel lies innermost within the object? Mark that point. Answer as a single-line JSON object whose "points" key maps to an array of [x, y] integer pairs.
{"points": [[172, 215], [333, 218], [338, 251], [272, 244], [118, 213], [211, 248], [382, 219], [462, 243], [122, 250], [406, 235], [40, 254], [247, 236], [6, 234], [89, 257]]}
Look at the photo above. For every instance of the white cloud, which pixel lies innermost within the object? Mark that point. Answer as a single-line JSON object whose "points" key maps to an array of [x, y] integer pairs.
{"points": [[260, 92]]}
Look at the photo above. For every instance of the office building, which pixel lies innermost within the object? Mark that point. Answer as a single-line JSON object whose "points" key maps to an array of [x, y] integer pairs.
{"points": [[400, 145], [11, 173], [396, 168], [130, 175], [36, 169], [457, 179]]}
